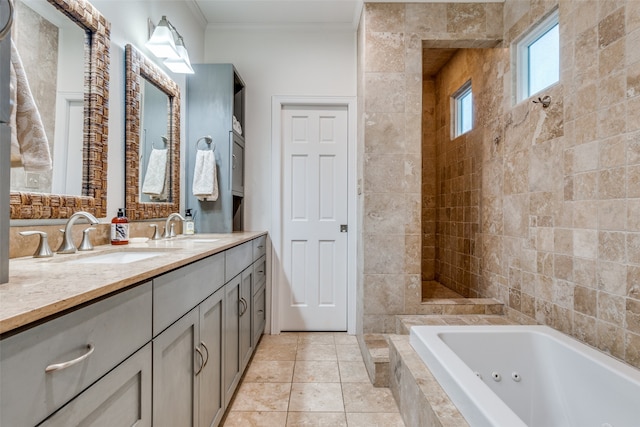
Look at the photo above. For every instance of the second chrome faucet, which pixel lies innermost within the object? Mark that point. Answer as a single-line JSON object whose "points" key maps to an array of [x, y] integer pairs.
{"points": [[168, 227]]}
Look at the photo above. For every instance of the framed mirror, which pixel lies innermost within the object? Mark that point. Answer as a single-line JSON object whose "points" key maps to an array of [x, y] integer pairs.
{"points": [[92, 118], [152, 172]]}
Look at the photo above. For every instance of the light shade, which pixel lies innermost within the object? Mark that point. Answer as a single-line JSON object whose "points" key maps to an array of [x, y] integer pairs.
{"points": [[180, 65], [161, 42]]}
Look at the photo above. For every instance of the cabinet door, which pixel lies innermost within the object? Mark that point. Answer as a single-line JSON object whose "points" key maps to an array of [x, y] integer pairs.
{"points": [[231, 331], [246, 303], [259, 314], [122, 398], [174, 368], [211, 332], [237, 165]]}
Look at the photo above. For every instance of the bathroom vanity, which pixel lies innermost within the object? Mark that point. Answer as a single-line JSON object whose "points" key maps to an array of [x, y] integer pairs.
{"points": [[159, 341]]}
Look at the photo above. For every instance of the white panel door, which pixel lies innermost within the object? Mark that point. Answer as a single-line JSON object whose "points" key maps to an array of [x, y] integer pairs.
{"points": [[313, 293]]}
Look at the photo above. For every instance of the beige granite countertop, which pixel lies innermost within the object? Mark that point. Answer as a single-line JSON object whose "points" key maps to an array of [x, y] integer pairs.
{"points": [[42, 287]]}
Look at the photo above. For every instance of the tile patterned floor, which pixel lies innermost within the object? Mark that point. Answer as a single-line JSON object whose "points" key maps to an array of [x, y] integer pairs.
{"points": [[315, 379]]}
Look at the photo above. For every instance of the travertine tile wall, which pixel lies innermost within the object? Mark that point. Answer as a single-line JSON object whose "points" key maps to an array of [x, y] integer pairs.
{"points": [[390, 43], [559, 188], [567, 253], [429, 182]]}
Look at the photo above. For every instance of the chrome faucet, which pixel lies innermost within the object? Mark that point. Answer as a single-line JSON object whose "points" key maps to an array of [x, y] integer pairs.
{"points": [[67, 246], [168, 227]]}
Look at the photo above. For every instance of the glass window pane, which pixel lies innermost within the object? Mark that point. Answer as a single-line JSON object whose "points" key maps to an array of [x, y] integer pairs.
{"points": [[466, 112], [544, 61]]}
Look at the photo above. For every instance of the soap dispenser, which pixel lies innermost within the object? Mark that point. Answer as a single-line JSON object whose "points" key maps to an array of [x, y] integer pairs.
{"points": [[120, 229], [189, 224]]}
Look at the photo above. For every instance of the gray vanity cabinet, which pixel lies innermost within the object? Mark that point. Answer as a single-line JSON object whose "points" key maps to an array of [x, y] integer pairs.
{"points": [[187, 356], [231, 337], [259, 315], [45, 367], [245, 336], [211, 398], [237, 338], [215, 95], [237, 165], [169, 352], [186, 368], [121, 398], [174, 373]]}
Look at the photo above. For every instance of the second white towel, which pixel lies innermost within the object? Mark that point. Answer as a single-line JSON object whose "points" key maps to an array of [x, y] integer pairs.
{"points": [[205, 181], [155, 177]]}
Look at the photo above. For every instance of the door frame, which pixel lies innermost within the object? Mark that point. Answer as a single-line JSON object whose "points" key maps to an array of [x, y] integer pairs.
{"points": [[277, 104]]}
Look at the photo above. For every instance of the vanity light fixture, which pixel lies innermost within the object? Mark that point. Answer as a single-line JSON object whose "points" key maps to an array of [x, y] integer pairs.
{"points": [[166, 43], [181, 65], [161, 42]]}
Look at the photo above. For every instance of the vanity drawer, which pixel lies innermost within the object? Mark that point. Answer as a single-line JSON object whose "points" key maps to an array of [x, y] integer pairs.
{"points": [[237, 259], [259, 273], [177, 292], [122, 398], [115, 328], [259, 247]]}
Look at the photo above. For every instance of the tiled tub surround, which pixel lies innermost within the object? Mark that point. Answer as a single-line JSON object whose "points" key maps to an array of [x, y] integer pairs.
{"points": [[42, 287], [420, 398], [558, 193]]}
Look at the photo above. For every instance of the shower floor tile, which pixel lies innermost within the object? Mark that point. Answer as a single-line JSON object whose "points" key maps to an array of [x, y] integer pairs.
{"points": [[435, 290]]}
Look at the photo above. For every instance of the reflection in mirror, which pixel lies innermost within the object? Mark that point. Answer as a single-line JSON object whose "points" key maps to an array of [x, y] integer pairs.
{"points": [[48, 138], [60, 79], [152, 172], [154, 143]]}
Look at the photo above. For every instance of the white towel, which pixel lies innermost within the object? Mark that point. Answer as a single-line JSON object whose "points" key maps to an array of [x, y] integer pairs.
{"points": [[155, 178], [29, 144], [237, 126], [205, 181]]}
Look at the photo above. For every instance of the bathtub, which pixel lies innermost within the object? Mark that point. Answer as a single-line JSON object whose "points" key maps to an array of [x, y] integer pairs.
{"points": [[511, 376]]}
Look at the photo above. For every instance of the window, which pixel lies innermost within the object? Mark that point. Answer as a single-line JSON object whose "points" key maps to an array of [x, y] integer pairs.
{"points": [[462, 110], [538, 58]]}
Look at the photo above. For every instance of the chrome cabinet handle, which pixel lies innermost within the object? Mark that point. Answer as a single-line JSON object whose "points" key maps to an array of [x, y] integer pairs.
{"points": [[244, 304], [7, 27], [202, 362], [60, 366], [234, 162], [207, 351]]}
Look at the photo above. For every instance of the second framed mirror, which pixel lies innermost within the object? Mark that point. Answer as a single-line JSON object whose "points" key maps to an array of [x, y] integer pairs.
{"points": [[152, 169]]}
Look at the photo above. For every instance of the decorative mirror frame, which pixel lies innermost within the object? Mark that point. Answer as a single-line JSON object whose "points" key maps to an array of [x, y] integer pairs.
{"points": [[25, 205], [138, 67]]}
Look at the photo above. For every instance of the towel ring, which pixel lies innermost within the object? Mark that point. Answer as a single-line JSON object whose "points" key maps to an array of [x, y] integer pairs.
{"points": [[5, 30], [164, 141], [208, 140]]}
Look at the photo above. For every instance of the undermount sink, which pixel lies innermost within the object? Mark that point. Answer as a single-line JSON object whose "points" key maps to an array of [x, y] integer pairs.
{"points": [[124, 257], [199, 239]]}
